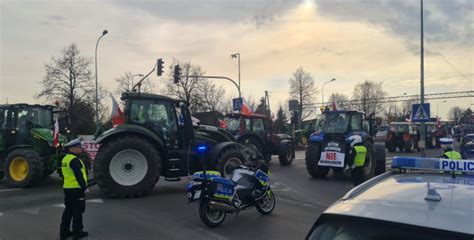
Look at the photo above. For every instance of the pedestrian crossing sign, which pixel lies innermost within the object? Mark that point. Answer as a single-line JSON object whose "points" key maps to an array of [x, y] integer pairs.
{"points": [[237, 104], [420, 112]]}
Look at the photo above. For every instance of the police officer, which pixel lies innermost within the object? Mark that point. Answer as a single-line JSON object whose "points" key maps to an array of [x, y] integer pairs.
{"points": [[75, 186], [357, 155], [448, 151]]}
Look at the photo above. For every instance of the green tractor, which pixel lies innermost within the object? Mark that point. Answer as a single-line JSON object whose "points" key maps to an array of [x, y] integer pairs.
{"points": [[158, 139], [27, 154]]}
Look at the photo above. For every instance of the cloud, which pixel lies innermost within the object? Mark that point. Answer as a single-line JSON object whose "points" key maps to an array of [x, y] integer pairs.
{"points": [[444, 21], [258, 12]]}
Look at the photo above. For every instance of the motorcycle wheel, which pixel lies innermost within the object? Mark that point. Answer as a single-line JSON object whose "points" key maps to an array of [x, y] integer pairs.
{"points": [[208, 216], [266, 205]]}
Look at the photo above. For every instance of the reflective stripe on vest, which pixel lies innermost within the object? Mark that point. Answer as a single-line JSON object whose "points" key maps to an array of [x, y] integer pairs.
{"points": [[361, 153], [453, 155], [70, 180]]}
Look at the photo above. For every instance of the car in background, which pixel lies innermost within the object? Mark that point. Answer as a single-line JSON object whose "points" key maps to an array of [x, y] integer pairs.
{"points": [[467, 146], [422, 198]]}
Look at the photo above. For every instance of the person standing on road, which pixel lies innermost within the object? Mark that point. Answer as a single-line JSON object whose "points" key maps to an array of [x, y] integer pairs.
{"points": [[74, 186], [448, 150], [358, 154]]}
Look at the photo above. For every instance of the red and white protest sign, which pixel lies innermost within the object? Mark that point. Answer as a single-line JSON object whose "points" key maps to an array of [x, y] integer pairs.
{"points": [[91, 148]]}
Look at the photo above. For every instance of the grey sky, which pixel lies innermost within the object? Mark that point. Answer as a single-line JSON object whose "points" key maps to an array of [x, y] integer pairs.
{"points": [[349, 40]]}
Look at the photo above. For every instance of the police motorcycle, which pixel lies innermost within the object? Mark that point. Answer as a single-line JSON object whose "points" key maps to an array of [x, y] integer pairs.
{"points": [[248, 186]]}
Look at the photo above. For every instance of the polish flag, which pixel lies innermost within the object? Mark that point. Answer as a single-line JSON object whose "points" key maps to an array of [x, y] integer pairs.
{"points": [[56, 134], [117, 116], [246, 109]]}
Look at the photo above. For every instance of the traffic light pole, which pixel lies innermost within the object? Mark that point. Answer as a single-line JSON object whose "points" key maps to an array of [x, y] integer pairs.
{"points": [[220, 77], [139, 83]]}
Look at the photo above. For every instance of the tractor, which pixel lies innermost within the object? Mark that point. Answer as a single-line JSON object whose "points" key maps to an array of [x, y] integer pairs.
{"points": [[158, 139], [27, 154], [401, 135], [256, 130], [328, 146]]}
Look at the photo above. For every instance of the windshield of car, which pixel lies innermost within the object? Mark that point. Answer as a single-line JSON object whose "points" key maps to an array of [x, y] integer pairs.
{"points": [[335, 122], [468, 139], [355, 228]]}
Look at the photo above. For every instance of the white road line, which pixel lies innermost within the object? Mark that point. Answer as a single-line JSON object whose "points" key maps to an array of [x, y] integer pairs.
{"points": [[1, 214], [59, 205], [97, 200], [31, 210], [10, 189]]}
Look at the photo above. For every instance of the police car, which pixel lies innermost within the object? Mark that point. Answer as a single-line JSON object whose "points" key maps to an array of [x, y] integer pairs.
{"points": [[422, 198]]}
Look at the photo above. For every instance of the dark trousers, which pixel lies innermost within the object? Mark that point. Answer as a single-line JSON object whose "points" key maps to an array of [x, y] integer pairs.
{"points": [[75, 202]]}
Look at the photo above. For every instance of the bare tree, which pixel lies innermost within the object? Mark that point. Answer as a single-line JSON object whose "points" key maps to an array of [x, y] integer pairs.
{"points": [[302, 88], [68, 80], [342, 101], [455, 114], [187, 88], [126, 81], [367, 96], [211, 95]]}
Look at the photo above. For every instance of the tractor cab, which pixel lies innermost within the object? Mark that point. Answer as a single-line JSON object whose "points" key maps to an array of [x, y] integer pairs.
{"points": [[26, 143], [340, 123]]}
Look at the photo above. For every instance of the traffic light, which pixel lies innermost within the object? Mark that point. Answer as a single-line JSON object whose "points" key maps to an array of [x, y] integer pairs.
{"points": [[159, 67], [177, 73]]}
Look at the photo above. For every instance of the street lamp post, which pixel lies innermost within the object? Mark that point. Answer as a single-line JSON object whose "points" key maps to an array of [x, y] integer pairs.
{"points": [[139, 75], [237, 55], [437, 107], [96, 82], [322, 90]]}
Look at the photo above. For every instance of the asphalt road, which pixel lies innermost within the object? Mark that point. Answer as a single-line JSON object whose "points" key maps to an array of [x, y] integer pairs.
{"points": [[164, 214]]}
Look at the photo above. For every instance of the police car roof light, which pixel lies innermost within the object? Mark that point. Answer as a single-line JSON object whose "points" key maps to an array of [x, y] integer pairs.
{"points": [[434, 164]]}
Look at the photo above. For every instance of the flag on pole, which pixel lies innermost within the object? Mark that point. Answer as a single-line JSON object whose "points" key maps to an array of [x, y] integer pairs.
{"points": [[56, 134], [246, 109], [117, 116]]}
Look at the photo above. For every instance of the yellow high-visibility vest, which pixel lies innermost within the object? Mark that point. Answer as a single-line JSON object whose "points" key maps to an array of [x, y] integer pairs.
{"points": [[361, 153], [70, 180], [453, 155]]}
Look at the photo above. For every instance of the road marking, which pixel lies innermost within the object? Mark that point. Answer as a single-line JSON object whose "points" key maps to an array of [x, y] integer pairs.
{"points": [[215, 235], [10, 189], [31, 210], [59, 205], [300, 203], [97, 200], [1, 215]]}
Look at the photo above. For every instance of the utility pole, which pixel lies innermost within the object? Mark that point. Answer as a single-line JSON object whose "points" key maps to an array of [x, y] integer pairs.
{"points": [[422, 82]]}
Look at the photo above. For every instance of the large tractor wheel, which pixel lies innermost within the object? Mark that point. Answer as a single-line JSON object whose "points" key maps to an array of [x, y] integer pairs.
{"points": [[228, 160], [380, 161], [23, 168], [362, 174], [409, 146], [286, 155], [127, 167], [313, 154]]}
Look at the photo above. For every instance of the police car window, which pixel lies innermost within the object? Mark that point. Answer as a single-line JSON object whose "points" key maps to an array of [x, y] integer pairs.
{"points": [[354, 228]]}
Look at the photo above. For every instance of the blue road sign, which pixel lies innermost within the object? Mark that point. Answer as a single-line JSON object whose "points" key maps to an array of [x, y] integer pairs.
{"points": [[420, 113], [237, 104]]}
